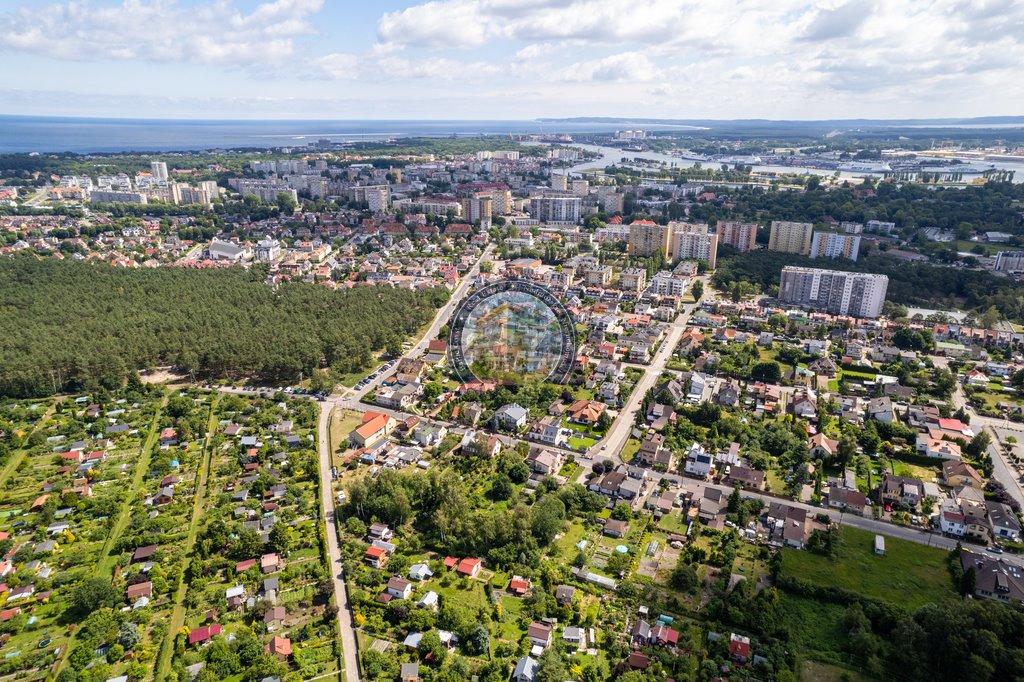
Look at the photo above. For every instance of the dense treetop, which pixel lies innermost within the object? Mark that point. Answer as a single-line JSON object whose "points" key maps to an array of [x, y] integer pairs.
{"points": [[69, 325]]}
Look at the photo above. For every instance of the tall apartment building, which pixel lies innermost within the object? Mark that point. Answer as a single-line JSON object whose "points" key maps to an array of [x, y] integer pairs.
{"points": [[581, 188], [610, 199], [740, 236], [835, 245], [834, 291], [159, 170], [559, 181], [693, 241], [479, 207], [647, 237], [790, 237], [556, 209]]}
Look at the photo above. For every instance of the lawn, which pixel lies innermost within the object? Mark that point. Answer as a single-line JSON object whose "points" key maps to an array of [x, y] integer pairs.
{"points": [[909, 574], [342, 424], [630, 449], [581, 442]]}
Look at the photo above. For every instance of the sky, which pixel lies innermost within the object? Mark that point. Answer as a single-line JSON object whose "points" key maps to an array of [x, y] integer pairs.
{"points": [[512, 59]]}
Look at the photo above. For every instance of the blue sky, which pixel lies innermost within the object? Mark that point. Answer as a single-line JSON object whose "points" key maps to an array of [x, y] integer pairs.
{"points": [[512, 59]]}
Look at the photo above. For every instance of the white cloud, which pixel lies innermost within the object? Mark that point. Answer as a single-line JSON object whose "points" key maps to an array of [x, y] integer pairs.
{"points": [[160, 31], [627, 66]]}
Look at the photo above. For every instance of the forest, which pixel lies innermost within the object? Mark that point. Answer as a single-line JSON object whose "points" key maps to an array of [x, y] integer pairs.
{"points": [[70, 326], [913, 284]]}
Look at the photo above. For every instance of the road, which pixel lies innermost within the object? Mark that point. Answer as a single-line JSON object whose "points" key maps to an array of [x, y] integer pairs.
{"points": [[618, 433], [349, 399], [349, 648], [440, 320], [1002, 469]]}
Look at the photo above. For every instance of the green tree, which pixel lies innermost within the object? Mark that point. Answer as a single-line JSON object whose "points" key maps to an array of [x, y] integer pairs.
{"points": [[697, 290]]}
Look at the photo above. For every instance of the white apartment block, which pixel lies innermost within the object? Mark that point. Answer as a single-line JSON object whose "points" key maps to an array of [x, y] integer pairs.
{"points": [[556, 209], [665, 283], [835, 245], [693, 241], [834, 291]]}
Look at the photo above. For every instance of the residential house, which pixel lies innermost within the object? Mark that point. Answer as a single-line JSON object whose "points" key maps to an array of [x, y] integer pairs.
{"points": [[511, 417], [545, 461], [525, 670], [958, 473], [739, 647], [698, 461], [653, 451], [900, 490], [852, 501], [822, 447], [1002, 520], [994, 578], [399, 588], [938, 448], [952, 520], [615, 528], [375, 426], [469, 567], [420, 572], [539, 634], [745, 477], [880, 409], [279, 647]]}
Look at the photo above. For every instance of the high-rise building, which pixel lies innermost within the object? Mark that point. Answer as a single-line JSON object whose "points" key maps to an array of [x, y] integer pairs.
{"points": [[478, 207], [610, 198], [834, 291], [556, 209], [693, 241], [790, 237], [581, 188], [835, 245], [559, 181], [740, 236], [158, 170], [646, 238]]}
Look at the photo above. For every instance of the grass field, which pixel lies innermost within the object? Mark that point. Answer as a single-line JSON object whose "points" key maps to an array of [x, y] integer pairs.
{"points": [[817, 626], [909, 574], [342, 423]]}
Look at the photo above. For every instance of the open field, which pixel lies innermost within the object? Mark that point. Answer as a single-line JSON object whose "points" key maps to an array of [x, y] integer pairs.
{"points": [[908, 574]]}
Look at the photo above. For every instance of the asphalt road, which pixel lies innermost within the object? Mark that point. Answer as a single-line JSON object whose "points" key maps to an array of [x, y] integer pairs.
{"points": [[349, 647]]}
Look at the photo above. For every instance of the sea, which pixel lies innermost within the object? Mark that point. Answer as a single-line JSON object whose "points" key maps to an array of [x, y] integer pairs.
{"points": [[107, 135]]}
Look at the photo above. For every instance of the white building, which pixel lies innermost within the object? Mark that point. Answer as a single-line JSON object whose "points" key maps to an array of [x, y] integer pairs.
{"points": [[556, 209], [835, 245], [693, 241], [834, 291], [267, 250], [698, 461], [665, 283], [158, 170], [1010, 261]]}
